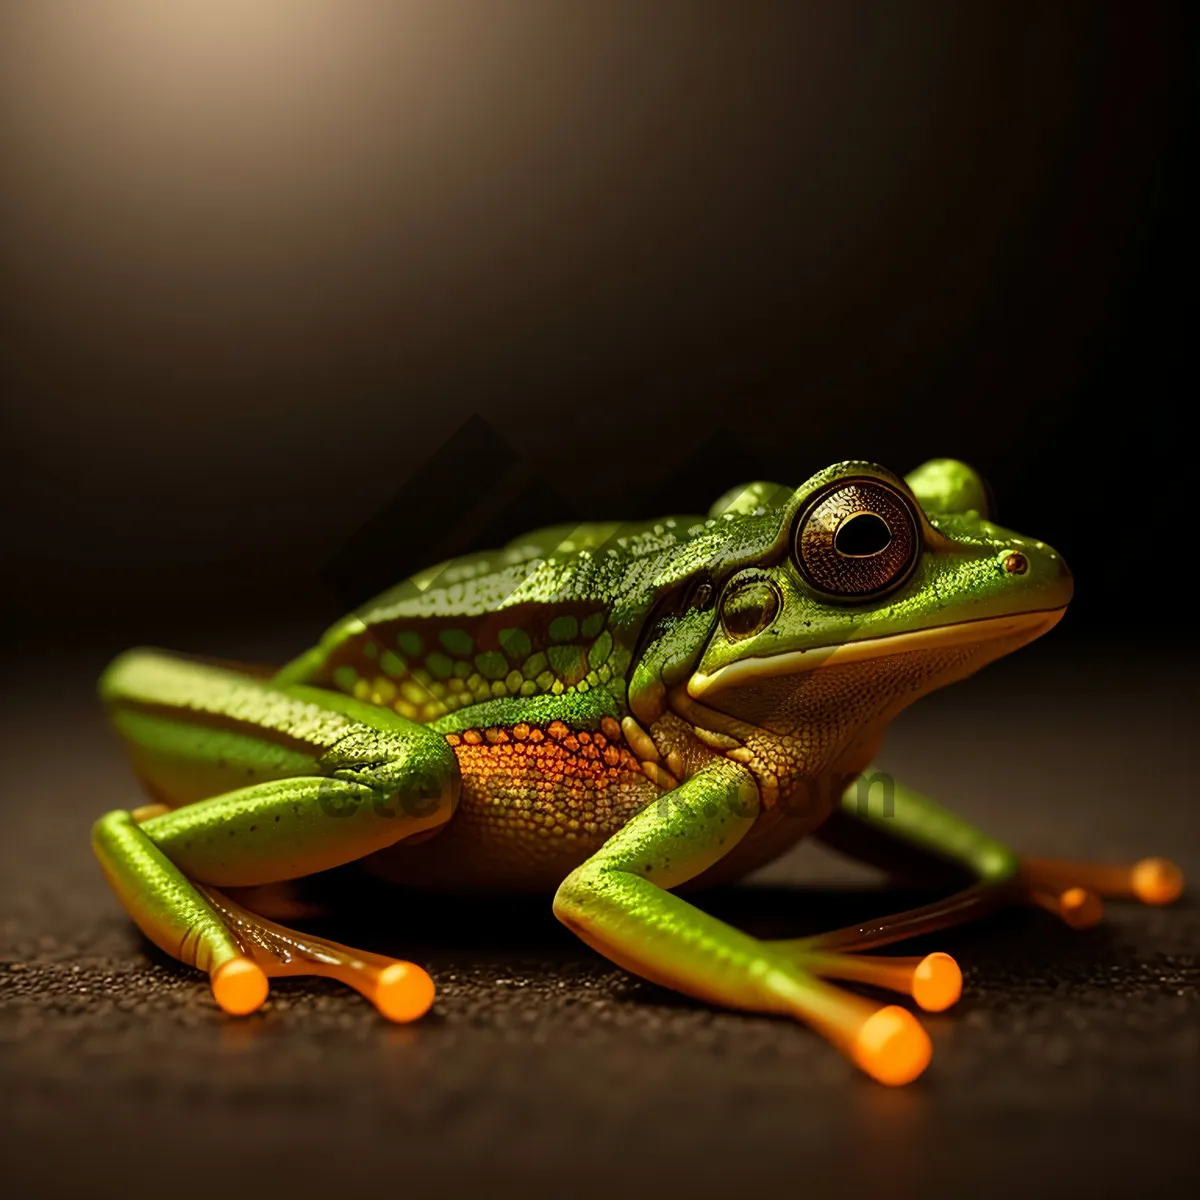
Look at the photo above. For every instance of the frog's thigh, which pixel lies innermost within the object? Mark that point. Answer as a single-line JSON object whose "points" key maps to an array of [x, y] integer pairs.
{"points": [[617, 902], [196, 731], [328, 779]]}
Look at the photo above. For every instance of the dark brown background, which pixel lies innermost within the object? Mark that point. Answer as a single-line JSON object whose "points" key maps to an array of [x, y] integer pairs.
{"points": [[261, 262]]}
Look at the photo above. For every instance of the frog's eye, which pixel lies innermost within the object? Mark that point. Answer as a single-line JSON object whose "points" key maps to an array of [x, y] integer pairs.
{"points": [[858, 540], [749, 604]]}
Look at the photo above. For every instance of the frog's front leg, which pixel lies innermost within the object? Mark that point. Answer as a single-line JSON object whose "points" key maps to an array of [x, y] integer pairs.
{"points": [[335, 780], [875, 828], [619, 903]]}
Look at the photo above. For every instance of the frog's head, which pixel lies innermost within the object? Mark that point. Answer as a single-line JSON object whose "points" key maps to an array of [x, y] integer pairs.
{"points": [[868, 591]]}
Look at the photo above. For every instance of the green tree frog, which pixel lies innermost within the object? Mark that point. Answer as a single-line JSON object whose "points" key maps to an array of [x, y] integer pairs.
{"points": [[611, 714]]}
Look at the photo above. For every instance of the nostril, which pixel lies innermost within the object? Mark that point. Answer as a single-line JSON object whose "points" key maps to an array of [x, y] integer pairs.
{"points": [[1016, 564]]}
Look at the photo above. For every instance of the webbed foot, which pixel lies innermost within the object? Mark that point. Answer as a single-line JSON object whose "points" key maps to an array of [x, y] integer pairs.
{"points": [[401, 991]]}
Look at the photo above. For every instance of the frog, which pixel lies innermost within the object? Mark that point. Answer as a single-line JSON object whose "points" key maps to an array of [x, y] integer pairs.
{"points": [[616, 716]]}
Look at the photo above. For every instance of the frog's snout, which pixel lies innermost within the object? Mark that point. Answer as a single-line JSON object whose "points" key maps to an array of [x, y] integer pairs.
{"points": [[1040, 572]]}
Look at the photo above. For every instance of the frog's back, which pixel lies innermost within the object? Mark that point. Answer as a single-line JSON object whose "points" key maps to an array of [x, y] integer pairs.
{"points": [[555, 613]]}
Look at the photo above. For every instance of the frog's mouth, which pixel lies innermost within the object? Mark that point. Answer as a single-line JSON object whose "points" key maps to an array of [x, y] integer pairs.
{"points": [[1014, 630]]}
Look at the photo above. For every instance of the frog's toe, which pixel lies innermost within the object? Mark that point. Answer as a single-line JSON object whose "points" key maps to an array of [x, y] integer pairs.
{"points": [[239, 986], [401, 991], [1156, 881], [892, 1047], [886, 1041], [1076, 906], [1076, 887], [936, 982], [933, 981]]}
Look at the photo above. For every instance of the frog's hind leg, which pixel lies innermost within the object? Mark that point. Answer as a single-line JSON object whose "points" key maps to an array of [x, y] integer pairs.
{"points": [[238, 949], [202, 927], [337, 780], [1070, 890]]}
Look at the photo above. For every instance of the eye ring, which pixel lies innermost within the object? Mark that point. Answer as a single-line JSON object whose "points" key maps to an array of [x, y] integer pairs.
{"points": [[857, 540]]}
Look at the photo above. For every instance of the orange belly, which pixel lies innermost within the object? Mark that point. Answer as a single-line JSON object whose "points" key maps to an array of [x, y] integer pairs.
{"points": [[535, 803]]}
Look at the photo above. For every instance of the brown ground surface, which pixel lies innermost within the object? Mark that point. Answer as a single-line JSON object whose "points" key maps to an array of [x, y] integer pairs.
{"points": [[1071, 1066]]}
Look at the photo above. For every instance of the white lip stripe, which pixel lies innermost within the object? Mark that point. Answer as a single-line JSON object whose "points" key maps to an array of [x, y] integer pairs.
{"points": [[962, 633]]}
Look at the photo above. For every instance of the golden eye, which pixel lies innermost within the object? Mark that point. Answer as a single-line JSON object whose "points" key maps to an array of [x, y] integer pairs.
{"points": [[858, 540], [749, 605]]}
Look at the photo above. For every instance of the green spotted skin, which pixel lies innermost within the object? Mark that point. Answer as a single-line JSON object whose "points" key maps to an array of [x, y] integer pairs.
{"points": [[522, 652], [628, 610], [557, 613]]}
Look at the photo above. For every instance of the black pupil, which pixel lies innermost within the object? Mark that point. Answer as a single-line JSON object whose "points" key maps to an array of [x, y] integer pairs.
{"points": [[862, 535]]}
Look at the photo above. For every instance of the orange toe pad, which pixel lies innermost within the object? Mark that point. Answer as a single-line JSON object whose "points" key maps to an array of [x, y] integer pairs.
{"points": [[937, 982], [892, 1047], [403, 992], [239, 986], [1156, 881]]}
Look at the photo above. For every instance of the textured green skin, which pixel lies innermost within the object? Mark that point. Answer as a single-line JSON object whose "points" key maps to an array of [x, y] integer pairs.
{"points": [[283, 778], [632, 572]]}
